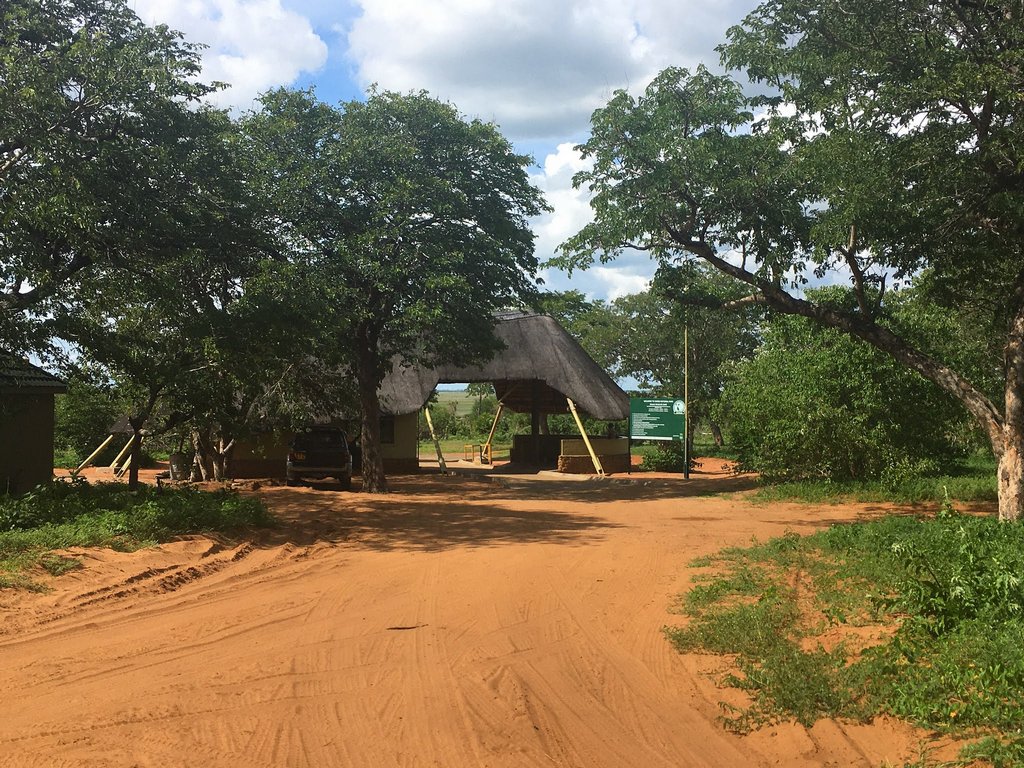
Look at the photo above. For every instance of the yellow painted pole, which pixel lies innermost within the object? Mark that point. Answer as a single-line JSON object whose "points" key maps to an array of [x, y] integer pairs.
{"points": [[121, 470], [117, 459], [94, 454], [490, 436], [586, 440], [437, 443]]}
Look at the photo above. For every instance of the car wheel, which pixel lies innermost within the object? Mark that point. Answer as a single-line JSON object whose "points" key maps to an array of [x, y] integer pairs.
{"points": [[346, 483]]}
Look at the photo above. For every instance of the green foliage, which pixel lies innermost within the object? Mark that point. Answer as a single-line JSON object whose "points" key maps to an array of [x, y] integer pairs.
{"points": [[948, 586], [815, 403], [886, 144], [78, 514], [82, 420], [99, 114], [57, 565], [913, 490], [415, 218], [664, 457]]}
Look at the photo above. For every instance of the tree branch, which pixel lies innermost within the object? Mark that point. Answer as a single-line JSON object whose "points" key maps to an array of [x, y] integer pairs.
{"points": [[778, 299]]}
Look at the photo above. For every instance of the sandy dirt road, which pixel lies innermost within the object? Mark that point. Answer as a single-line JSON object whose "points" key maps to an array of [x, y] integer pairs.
{"points": [[451, 623]]}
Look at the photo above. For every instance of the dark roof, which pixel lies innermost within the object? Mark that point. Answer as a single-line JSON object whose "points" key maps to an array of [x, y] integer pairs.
{"points": [[536, 349], [20, 376]]}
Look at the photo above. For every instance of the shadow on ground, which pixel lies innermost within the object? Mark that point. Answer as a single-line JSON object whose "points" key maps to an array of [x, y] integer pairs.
{"points": [[396, 522]]}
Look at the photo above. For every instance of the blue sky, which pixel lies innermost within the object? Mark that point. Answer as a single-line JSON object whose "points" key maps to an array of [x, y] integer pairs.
{"points": [[537, 68]]}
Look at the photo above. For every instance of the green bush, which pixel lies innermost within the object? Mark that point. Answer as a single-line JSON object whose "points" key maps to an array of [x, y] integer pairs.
{"points": [[814, 403], [664, 457], [66, 514], [950, 585], [82, 420]]}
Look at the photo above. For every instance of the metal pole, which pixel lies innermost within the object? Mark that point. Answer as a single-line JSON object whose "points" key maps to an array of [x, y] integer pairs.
{"points": [[686, 402]]}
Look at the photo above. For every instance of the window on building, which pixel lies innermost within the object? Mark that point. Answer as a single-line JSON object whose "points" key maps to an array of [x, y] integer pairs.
{"points": [[387, 430]]}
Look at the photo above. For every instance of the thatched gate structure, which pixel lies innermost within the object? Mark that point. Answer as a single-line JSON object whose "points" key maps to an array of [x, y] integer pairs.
{"points": [[538, 371]]}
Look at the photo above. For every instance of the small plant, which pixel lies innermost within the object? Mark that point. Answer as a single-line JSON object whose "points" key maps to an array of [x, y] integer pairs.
{"points": [[945, 593], [664, 457], [76, 513], [58, 565]]}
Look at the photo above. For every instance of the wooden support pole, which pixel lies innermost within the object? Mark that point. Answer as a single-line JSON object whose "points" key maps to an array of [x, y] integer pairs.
{"points": [[490, 436], [94, 454], [128, 462], [437, 443], [586, 440], [117, 459]]}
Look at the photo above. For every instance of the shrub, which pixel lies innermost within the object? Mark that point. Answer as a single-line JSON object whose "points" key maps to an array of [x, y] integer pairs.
{"points": [[816, 404], [66, 514]]}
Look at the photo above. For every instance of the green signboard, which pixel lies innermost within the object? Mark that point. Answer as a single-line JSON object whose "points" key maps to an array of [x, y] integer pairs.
{"points": [[659, 418]]}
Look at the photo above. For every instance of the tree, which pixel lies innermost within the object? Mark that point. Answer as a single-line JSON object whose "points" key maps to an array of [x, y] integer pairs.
{"points": [[816, 403], [903, 155], [96, 108], [650, 347], [419, 216]]}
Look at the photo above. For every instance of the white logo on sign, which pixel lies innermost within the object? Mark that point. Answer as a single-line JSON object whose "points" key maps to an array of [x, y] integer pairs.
{"points": [[678, 407]]}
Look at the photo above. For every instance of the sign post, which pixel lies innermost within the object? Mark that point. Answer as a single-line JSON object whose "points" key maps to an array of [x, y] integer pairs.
{"points": [[657, 418]]}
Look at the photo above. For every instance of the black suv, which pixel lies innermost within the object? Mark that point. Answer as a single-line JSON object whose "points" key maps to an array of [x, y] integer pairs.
{"points": [[320, 452]]}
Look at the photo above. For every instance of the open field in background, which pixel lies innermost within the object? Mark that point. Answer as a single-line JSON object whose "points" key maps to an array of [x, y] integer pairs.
{"points": [[462, 400]]}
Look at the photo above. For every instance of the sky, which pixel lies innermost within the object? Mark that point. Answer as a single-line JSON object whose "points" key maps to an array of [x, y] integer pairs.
{"points": [[536, 68]]}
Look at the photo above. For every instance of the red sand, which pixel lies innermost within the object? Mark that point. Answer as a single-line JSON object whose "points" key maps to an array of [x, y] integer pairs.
{"points": [[453, 622]]}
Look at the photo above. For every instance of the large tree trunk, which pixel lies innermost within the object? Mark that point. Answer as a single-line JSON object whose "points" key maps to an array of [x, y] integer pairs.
{"points": [[374, 480], [136, 453], [716, 433], [137, 421], [202, 466], [1011, 463]]}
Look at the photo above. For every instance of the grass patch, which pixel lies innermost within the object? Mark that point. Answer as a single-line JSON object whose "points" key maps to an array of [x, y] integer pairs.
{"points": [[79, 514], [965, 488], [58, 565], [921, 618]]}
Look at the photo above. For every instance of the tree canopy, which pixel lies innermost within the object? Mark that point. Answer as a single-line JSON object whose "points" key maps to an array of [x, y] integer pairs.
{"points": [[101, 129], [415, 219], [889, 145]]}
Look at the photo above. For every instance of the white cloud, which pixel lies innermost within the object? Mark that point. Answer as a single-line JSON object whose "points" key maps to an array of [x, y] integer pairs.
{"points": [[622, 281], [253, 44], [536, 67], [571, 206], [630, 273]]}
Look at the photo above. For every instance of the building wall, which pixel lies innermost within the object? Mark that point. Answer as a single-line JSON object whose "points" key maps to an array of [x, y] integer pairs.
{"points": [[26, 441], [613, 453], [266, 455], [402, 455], [260, 456]]}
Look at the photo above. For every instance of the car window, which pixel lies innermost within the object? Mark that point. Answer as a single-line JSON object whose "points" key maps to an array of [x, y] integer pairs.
{"points": [[319, 439]]}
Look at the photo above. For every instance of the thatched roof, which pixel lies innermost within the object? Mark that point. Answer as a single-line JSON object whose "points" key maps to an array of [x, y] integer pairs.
{"points": [[540, 359]]}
